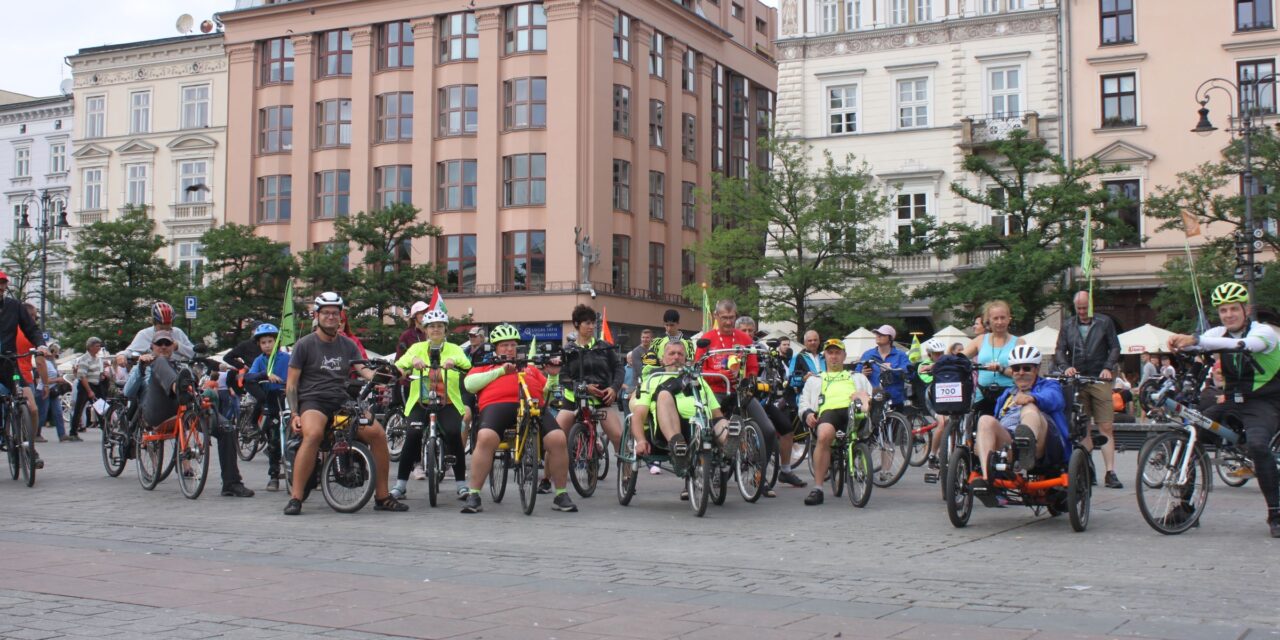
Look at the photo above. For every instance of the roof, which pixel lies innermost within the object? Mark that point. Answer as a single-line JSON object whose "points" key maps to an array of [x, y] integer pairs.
{"points": [[141, 44], [9, 97], [34, 102]]}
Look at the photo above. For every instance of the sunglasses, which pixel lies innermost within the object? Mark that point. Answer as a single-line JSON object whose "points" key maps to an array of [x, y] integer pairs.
{"points": [[163, 343], [1023, 368]]}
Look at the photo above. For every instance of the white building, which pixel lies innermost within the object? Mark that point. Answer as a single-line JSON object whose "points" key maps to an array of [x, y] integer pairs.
{"points": [[152, 132], [35, 160], [912, 87]]}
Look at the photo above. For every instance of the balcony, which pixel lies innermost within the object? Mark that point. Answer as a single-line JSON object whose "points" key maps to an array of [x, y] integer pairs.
{"points": [[569, 286], [912, 264], [977, 258], [91, 216], [190, 211], [979, 132]]}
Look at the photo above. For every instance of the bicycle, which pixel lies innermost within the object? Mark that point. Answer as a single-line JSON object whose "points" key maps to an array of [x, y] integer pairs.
{"points": [[190, 432], [521, 447], [588, 452], [434, 460], [890, 432], [17, 432], [117, 436], [750, 455]]}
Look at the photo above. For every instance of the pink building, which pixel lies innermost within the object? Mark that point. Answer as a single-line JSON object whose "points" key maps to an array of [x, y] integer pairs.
{"points": [[509, 125]]}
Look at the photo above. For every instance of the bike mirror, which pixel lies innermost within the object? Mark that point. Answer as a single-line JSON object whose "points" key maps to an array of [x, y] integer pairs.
{"points": [[773, 344]]}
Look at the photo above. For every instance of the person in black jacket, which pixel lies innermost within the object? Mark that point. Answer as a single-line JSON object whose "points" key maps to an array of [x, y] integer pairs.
{"points": [[1088, 346], [13, 316], [241, 357], [596, 362]]}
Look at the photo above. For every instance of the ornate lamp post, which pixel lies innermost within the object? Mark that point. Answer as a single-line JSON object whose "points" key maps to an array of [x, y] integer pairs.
{"points": [[53, 215]]}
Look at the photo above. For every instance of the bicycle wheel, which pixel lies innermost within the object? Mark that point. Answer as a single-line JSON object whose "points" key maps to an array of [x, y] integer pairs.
{"points": [[527, 467], [921, 443], [11, 445], [628, 467], [26, 449], [583, 473], [498, 475], [1079, 491], [431, 466], [892, 444], [150, 461], [1228, 464], [750, 462], [720, 481], [602, 454], [699, 483], [193, 454], [171, 459], [115, 440], [955, 487], [1170, 506], [839, 470], [347, 477], [249, 440], [396, 432], [861, 474]]}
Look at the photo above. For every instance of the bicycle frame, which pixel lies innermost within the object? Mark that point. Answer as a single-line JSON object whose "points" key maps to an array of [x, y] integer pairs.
{"points": [[1192, 422]]}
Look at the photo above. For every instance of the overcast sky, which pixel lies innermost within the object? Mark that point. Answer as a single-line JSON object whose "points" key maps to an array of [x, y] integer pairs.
{"points": [[36, 36]]}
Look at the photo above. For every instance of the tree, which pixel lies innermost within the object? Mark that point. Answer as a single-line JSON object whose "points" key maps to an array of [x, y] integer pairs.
{"points": [[815, 221], [1042, 202], [247, 282], [21, 262], [117, 274]]}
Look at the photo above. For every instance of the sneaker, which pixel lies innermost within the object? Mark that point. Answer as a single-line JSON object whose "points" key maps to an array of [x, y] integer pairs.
{"points": [[39, 462], [418, 474], [40, 439], [814, 498], [1178, 515], [1112, 481], [564, 503], [273, 484], [473, 503], [237, 490], [1275, 527], [1025, 440], [544, 487], [389, 503], [789, 477], [293, 508], [463, 492], [933, 462], [65, 439], [74, 438], [655, 470], [397, 493]]}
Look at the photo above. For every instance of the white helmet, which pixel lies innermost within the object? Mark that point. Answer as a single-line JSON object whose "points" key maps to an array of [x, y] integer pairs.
{"points": [[328, 299], [934, 345], [434, 315], [1024, 354]]}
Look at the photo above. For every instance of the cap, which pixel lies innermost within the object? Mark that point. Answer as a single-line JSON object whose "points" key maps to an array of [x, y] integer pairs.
{"points": [[476, 331], [162, 335], [418, 307], [4, 276], [671, 315], [886, 330], [834, 343]]}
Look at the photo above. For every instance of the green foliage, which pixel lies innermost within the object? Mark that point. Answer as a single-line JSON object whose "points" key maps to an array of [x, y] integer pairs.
{"points": [[246, 285], [1175, 305], [21, 262]]}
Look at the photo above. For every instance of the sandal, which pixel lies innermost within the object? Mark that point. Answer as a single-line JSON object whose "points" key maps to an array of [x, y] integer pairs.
{"points": [[389, 503]]}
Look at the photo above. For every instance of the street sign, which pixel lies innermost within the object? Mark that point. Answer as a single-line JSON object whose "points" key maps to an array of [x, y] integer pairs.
{"points": [[191, 307]]}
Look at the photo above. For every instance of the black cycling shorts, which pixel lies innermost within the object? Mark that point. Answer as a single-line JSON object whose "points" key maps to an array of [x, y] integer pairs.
{"points": [[838, 418], [326, 406], [501, 416], [659, 441]]}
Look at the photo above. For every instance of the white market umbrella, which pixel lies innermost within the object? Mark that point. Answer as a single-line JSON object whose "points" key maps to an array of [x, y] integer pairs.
{"points": [[1145, 339], [1045, 339], [856, 343], [950, 335]]}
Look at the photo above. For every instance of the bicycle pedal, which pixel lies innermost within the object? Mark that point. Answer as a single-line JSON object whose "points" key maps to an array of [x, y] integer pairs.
{"points": [[509, 434], [734, 430], [681, 449], [931, 478]]}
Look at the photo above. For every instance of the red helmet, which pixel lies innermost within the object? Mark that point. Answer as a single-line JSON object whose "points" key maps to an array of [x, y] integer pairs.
{"points": [[161, 313]]}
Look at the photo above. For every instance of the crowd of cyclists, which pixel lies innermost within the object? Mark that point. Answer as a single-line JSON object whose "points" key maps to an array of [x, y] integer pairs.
{"points": [[476, 394]]}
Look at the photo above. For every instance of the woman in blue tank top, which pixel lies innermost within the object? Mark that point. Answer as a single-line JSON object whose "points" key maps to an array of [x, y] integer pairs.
{"points": [[990, 353]]}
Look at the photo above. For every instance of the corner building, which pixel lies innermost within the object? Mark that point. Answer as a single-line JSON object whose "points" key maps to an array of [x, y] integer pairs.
{"points": [[508, 125]]}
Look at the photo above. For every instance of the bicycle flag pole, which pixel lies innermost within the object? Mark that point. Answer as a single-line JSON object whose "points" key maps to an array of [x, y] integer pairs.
{"points": [[437, 301], [1086, 255], [706, 310], [288, 327], [605, 333], [1191, 227]]}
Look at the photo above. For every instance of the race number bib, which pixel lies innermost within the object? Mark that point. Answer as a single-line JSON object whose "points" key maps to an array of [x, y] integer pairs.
{"points": [[948, 392]]}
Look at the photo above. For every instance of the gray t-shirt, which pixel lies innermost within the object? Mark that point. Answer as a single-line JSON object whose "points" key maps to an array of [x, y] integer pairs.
{"points": [[324, 366]]}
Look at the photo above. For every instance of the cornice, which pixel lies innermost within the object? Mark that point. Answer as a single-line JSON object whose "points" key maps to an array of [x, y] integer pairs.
{"points": [[51, 112], [488, 18], [1120, 59], [562, 9], [242, 53], [135, 57], [86, 79], [932, 34]]}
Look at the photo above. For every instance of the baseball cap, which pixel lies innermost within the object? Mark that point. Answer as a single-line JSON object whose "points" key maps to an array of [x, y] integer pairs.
{"points": [[834, 343], [418, 307], [886, 330], [162, 335], [476, 331], [4, 276], [671, 316]]}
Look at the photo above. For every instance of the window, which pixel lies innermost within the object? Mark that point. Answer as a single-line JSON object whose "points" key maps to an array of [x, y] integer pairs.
{"points": [[657, 124], [657, 267], [717, 118], [621, 110], [335, 248], [524, 180], [277, 61], [1253, 14], [195, 106], [333, 123], [621, 185], [275, 129], [689, 137], [735, 10], [396, 45], [657, 195], [57, 158], [898, 11], [524, 260], [333, 194], [1003, 222], [456, 185], [459, 37], [191, 260], [136, 185], [1116, 18], [842, 109], [762, 27], [658, 56], [924, 10], [193, 181], [688, 205], [913, 103], [92, 189], [689, 71], [526, 28], [622, 37], [993, 6], [275, 199], [395, 185], [140, 112], [22, 162], [1119, 101], [1255, 96], [739, 127], [1017, 5], [688, 268], [1126, 198], [621, 264], [828, 16], [911, 207], [335, 53], [526, 103], [458, 110], [395, 117], [95, 117], [852, 15], [458, 258], [1004, 85]]}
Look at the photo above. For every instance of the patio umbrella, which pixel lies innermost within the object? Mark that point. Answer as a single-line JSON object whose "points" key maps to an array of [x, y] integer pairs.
{"points": [[858, 342], [1145, 339], [1045, 339]]}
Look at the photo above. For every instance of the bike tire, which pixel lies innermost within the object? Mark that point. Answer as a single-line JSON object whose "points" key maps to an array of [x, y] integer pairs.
{"points": [[249, 440], [921, 443], [1225, 463], [498, 475], [602, 455], [861, 474], [431, 467], [1079, 489], [11, 443], [699, 483], [396, 435], [750, 462], [150, 461], [893, 438], [956, 490], [583, 473], [1168, 507], [193, 451], [347, 478], [171, 459], [628, 469], [527, 468], [720, 481], [115, 441], [26, 449], [839, 471]]}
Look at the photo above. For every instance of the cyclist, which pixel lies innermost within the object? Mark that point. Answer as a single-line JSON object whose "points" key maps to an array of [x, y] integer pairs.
{"points": [[14, 318], [447, 366], [885, 353], [933, 349], [316, 389], [497, 390], [268, 388], [671, 324], [990, 354], [240, 358], [661, 396], [824, 406], [598, 363], [1030, 413], [780, 431], [162, 320], [1251, 397]]}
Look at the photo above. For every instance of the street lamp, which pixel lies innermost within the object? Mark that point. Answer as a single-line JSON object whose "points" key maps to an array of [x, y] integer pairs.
{"points": [[1247, 95], [49, 205]]}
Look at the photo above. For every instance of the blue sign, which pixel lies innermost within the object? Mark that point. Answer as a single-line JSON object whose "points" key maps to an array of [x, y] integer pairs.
{"points": [[191, 306], [543, 331], [46, 337]]}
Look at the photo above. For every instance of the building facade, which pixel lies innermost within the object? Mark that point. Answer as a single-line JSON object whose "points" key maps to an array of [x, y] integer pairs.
{"points": [[151, 132], [35, 169], [1133, 75], [558, 145], [912, 87]]}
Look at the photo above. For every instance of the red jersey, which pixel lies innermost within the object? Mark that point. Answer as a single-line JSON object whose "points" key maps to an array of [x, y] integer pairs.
{"points": [[507, 387], [720, 363], [24, 365]]}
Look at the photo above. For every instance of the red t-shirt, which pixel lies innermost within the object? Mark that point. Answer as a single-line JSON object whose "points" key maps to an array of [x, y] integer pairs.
{"points": [[720, 363], [24, 365], [507, 387]]}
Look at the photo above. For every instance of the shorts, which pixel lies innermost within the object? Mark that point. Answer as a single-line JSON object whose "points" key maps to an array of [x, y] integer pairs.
{"points": [[326, 406], [1096, 402], [1012, 419], [838, 418], [1257, 417], [659, 440], [501, 417]]}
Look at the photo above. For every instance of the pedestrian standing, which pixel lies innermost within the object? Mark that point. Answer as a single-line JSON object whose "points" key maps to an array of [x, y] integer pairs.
{"points": [[91, 376], [1088, 346]]}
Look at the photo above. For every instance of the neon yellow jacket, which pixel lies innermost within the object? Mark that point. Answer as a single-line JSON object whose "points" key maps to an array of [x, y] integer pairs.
{"points": [[452, 377]]}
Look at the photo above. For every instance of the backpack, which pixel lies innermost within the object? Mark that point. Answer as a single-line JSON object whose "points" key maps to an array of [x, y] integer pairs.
{"points": [[952, 389]]}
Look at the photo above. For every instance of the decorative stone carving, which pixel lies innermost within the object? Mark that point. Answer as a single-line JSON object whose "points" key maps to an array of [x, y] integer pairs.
{"points": [[920, 36], [790, 17], [153, 72]]}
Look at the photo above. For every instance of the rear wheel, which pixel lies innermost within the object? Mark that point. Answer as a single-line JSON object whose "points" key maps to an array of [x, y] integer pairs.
{"points": [[150, 460], [860, 474], [892, 444], [26, 449], [498, 474], [1079, 490], [583, 472], [11, 444], [193, 454], [1231, 466], [628, 465], [921, 443], [955, 487], [115, 440], [750, 462], [249, 438], [527, 468], [430, 466], [347, 477], [395, 434], [1170, 506]]}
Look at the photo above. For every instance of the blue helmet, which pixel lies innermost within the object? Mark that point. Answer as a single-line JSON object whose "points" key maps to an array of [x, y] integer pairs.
{"points": [[265, 329]]}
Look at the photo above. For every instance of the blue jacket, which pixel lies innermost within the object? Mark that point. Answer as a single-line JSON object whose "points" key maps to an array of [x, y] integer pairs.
{"points": [[1051, 403], [895, 384], [259, 370]]}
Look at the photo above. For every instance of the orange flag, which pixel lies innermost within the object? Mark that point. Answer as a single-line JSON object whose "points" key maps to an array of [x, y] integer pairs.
{"points": [[1190, 225], [604, 326]]}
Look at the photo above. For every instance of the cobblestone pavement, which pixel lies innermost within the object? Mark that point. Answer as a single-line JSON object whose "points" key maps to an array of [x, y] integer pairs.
{"points": [[90, 555]]}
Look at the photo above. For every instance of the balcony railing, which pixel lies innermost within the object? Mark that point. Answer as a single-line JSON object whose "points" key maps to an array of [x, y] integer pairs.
{"points": [[92, 216], [911, 264], [977, 258], [570, 286], [978, 132], [190, 210]]}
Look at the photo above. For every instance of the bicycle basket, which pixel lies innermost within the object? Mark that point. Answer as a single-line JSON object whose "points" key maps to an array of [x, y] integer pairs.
{"points": [[952, 389]]}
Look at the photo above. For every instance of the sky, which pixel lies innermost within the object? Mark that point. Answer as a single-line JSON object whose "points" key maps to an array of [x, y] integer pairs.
{"points": [[35, 37]]}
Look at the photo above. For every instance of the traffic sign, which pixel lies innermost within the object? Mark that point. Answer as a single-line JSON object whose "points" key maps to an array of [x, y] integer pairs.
{"points": [[191, 307]]}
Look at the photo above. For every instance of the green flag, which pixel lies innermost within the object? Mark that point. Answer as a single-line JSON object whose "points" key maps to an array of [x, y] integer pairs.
{"points": [[288, 327], [1086, 256], [913, 355], [706, 310]]}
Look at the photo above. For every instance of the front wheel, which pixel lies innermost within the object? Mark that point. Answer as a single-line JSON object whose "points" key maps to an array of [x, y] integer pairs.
{"points": [[498, 474], [583, 472], [956, 489], [750, 462], [347, 477], [249, 437], [628, 465], [396, 431], [602, 454], [921, 443], [892, 444], [699, 482], [527, 467], [192, 452], [431, 467], [1079, 490], [861, 478], [115, 440], [1169, 505], [150, 461], [26, 449]]}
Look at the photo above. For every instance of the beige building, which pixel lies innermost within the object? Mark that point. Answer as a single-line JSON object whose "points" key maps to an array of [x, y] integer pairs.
{"points": [[151, 131], [508, 125], [1134, 67]]}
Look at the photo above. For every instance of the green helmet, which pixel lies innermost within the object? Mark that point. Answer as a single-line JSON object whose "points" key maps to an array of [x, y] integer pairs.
{"points": [[1229, 292], [503, 333]]}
